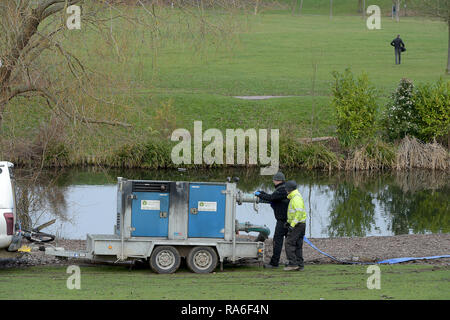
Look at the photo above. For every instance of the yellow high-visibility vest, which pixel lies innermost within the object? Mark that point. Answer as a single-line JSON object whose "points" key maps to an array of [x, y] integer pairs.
{"points": [[296, 209]]}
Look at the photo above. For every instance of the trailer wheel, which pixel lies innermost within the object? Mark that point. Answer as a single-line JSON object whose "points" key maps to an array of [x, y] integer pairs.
{"points": [[165, 259], [202, 259]]}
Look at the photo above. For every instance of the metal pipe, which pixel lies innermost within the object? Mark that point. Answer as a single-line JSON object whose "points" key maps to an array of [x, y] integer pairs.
{"points": [[247, 197], [122, 219], [264, 231]]}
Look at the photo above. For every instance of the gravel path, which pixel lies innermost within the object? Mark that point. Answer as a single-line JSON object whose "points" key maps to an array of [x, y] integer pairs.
{"points": [[372, 249], [367, 249]]}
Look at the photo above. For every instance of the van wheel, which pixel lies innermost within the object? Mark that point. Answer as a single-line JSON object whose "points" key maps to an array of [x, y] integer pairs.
{"points": [[202, 259], [165, 259]]}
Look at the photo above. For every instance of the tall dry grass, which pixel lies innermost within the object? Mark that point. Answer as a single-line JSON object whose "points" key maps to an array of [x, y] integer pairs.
{"points": [[371, 156], [412, 153]]}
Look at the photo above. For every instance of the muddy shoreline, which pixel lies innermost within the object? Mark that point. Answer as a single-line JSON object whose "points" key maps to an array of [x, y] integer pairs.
{"points": [[363, 249]]}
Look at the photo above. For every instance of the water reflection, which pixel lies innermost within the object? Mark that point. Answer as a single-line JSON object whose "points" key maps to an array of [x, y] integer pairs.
{"points": [[352, 211], [38, 196], [338, 205]]}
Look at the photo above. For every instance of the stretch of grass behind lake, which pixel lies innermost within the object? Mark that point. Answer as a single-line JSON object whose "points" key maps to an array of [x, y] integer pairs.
{"points": [[272, 53]]}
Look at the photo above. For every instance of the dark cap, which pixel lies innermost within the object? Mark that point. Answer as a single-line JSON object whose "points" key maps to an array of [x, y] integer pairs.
{"points": [[290, 186], [279, 176]]}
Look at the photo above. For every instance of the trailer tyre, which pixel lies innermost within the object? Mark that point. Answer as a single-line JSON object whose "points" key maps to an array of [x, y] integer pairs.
{"points": [[165, 259], [202, 259]]}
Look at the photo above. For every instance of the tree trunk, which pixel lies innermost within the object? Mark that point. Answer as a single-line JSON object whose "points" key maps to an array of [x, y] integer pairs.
{"points": [[299, 4], [397, 10], [364, 9], [331, 9], [256, 7], [3, 102], [448, 59]]}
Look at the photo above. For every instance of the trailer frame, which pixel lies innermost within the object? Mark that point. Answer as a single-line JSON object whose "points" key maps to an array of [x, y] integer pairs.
{"points": [[121, 246]]}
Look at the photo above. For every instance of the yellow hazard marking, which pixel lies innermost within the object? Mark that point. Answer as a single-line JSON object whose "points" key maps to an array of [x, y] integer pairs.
{"points": [[24, 248]]}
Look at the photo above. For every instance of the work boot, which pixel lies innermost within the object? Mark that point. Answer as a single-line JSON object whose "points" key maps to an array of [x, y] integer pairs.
{"points": [[300, 268], [291, 268], [270, 266]]}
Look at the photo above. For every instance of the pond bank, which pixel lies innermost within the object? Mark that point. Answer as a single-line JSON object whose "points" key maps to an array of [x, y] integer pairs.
{"points": [[365, 249]]}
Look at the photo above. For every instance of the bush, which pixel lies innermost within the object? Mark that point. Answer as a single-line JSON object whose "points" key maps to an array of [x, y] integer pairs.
{"points": [[310, 155], [317, 156], [355, 105], [433, 108], [422, 112], [400, 118], [152, 153]]}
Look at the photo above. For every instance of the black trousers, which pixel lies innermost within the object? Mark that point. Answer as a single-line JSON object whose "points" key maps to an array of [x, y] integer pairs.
{"points": [[294, 245], [398, 56], [278, 239]]}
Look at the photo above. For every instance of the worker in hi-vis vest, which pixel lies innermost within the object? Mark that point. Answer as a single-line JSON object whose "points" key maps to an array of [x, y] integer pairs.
{"points": [[296, 224]]}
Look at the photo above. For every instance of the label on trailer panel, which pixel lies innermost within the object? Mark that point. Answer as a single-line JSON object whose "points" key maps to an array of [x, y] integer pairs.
{"points": [[150, 205], [207, 206]]}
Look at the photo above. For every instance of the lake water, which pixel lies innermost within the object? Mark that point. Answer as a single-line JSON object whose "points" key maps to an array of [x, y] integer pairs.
{"points": [[338, 204]]}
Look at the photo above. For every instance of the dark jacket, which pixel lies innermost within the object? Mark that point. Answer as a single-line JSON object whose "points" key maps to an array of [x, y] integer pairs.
{"points": [[278, 201], [397, 43]]}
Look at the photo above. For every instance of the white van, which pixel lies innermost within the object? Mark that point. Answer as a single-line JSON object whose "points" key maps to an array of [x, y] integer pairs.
{"points": [[7, 204]]}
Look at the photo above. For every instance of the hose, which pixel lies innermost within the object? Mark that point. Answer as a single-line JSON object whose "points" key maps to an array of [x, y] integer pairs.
{"points": [[264, 231], [388, 261]]}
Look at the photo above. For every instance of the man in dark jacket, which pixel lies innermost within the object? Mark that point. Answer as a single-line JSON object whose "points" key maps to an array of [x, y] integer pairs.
{"points": [[399, 46], [279, 202]]}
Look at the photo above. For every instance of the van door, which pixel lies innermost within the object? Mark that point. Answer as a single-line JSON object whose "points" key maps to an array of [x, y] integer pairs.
{"points": [[7, 205]]}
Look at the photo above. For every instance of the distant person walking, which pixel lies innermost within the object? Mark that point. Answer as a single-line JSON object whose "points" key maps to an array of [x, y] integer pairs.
{"points": [[399, 47]]}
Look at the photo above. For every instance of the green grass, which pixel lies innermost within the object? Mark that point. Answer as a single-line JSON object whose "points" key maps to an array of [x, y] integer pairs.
{"points": [[315, 282], [271, 54]]}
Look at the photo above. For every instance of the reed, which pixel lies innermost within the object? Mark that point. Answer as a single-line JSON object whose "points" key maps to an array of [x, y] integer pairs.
{"points": [[412, 153]]}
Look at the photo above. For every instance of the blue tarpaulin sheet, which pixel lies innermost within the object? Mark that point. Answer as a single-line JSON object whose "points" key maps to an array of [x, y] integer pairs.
{"points": [[388, 261]]}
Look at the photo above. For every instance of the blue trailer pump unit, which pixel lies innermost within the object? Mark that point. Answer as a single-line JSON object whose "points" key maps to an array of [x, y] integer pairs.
{"points": [[206, 210], [162, 221], [182, 210], [149, 209]]}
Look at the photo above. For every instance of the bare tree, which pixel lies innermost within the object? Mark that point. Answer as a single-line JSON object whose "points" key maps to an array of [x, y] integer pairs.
{"points": [[297, 4], [257, 3], [28, 30], [37, 60], [39, 196], [360, 6], [397, 10], [331, 9], [437, 9]]}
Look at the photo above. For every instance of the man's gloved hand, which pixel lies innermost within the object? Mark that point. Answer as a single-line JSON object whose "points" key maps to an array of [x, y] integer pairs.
{"points": [[257, 193], [288, 226]]}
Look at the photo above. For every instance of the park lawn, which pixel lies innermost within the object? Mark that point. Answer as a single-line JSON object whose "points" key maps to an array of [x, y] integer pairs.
{"points": [[411, 281], [273, 53]]}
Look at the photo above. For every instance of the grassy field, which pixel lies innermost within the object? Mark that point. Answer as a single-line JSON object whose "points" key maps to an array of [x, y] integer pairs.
{"points": [[273, 53], [315, 282]]}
